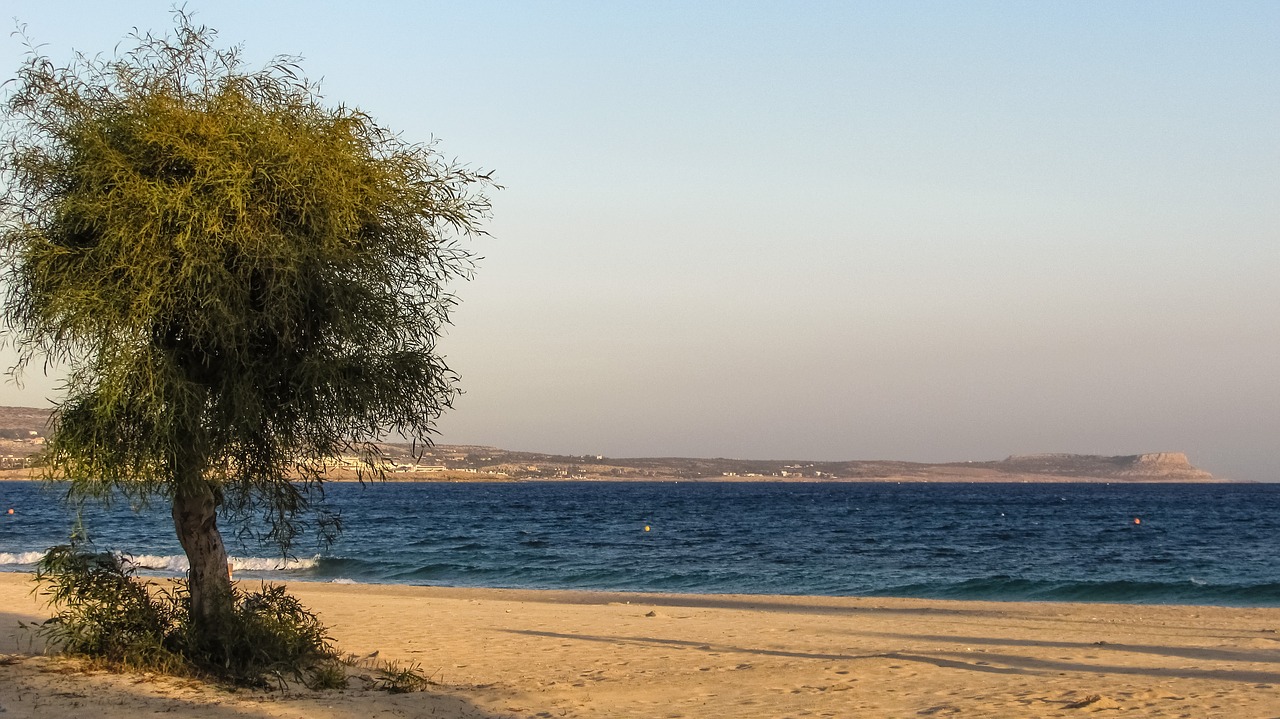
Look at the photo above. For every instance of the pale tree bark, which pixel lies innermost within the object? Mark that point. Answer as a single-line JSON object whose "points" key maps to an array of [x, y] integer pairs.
{"points": [[195, 517]]}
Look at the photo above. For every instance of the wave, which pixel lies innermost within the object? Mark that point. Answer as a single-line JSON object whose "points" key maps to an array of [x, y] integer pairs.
{"points": [[996, 587], [1006, 588], [177, 563], [20, 557]]}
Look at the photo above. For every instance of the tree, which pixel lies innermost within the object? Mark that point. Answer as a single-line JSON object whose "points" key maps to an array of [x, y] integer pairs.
{"points": [[242, 282]]}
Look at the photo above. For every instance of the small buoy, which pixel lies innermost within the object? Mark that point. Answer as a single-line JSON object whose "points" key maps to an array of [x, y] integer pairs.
{"points": [[646, 527], [1137, 521]]}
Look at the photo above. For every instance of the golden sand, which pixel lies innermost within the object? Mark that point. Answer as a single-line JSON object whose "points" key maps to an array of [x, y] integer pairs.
{"points": [[507, 653]]}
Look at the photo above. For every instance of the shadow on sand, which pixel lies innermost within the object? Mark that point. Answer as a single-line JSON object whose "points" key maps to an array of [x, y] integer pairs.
{"points": [[32, 685], [991, 663]]}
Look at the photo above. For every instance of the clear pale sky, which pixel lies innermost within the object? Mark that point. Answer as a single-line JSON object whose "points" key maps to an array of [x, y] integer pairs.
{"points": [[923, 231]]}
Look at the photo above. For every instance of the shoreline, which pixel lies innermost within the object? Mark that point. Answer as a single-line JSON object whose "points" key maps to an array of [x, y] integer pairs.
{"points": [[531, 653], [12, 475], [589, 596]]}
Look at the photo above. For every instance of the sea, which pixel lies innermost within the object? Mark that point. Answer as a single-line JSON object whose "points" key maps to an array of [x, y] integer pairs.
{"points": [[1212, 544]]}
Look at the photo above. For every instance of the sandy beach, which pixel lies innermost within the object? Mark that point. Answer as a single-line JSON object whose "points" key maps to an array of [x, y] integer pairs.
{"points": [[509, 653]]}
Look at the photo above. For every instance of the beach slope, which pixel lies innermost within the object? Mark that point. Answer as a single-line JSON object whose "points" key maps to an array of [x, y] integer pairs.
{"points": [[507, 653]]}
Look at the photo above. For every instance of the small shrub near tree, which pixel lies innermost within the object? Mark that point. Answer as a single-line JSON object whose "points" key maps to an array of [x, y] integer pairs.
{"points": [[106, 613]]}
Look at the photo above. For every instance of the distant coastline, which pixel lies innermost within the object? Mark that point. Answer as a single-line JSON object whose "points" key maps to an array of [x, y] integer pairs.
{"points": [[451, 463], [22, 433]]}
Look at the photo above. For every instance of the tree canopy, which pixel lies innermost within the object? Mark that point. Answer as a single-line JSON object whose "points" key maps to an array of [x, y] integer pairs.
{"points": [[241, 281]]}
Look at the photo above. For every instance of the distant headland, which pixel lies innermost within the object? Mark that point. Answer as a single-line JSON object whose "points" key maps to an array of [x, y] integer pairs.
{"points": [[22, 432], [459, 463]]}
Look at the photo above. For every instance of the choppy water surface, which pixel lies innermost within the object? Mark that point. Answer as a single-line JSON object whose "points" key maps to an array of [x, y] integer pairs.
{"points": [[1199, 543]]}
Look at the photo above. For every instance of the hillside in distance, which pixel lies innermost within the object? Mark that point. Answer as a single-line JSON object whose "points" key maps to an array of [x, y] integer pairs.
{"points": [[491, 462], [22, 432]]}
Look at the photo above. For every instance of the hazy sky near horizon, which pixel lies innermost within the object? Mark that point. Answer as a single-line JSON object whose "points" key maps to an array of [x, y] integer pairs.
{"points": [[921, 230]]}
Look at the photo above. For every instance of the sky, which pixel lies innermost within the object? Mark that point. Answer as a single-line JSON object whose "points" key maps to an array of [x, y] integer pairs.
{"points": [[927, 231]]}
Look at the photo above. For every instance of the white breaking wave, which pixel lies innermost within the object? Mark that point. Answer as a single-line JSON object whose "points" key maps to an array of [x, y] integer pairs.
{"points": [[20, 557], [258, 564], [177, 563], [343, 580]]}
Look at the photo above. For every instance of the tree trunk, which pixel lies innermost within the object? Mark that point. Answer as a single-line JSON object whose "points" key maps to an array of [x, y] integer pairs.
{"points": [[195, 517]]}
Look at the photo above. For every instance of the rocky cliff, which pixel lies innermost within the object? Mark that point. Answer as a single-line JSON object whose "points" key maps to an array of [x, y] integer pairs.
{"points": [[1155, 466]]}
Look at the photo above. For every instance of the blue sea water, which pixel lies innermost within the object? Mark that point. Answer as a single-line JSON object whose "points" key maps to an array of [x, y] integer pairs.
{"points": [[1196, 543]]}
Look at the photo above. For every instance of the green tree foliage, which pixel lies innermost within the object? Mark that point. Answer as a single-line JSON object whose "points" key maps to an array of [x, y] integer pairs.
{"points": [[241, 281]]}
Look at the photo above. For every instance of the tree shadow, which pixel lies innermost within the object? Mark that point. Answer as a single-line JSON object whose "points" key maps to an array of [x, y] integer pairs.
{"points": [[39, 686], [778, 604], [17, 635], [1012, 664], [1051, 665], [1266, 656], [729, 649], [34, 685]]}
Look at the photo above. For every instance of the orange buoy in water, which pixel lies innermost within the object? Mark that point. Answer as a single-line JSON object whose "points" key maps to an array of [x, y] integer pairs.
{"points": [[1137, 521], [646, 527]]}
